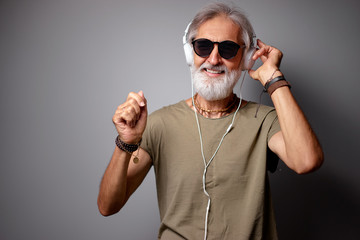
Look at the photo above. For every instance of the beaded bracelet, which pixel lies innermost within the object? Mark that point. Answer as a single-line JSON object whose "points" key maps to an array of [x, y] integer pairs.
{"points": [[129, 148]]}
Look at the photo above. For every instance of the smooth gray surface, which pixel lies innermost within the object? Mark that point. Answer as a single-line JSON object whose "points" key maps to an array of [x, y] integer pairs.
{"points": [[66, 65]]}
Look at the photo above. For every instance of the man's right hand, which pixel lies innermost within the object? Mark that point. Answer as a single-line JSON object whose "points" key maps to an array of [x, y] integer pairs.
{"points": [[130, 118]]}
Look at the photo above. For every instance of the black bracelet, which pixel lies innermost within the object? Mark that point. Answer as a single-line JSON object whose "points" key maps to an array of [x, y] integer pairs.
{"points": [[129, 148], [268, 84]]}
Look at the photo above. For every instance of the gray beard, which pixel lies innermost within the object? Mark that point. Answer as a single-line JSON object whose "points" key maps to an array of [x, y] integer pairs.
{"points": [[213, 89]]}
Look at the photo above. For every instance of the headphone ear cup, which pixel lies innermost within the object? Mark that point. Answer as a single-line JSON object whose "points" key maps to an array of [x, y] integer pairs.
{"points": [[189, 55], [248, 63]]}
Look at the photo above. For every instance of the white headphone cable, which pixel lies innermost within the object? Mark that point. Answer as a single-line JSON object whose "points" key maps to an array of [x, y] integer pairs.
{"points": [[217, 149]]}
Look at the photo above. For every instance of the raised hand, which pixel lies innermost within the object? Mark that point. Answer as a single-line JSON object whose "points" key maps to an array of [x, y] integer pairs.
{"points": [[271, 58], [130, 118]]}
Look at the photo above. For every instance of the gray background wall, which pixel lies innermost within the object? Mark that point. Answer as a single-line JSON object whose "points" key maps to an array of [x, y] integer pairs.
{"points": [[66, 65]]}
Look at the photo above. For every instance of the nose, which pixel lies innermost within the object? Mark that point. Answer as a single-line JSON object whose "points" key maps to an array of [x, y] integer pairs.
{"points": [[214, 57]]}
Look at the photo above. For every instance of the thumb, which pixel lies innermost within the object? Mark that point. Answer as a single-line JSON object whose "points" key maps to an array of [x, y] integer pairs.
{"points": [[143, 105], [143, 116], [141, 94], [251, 73]]}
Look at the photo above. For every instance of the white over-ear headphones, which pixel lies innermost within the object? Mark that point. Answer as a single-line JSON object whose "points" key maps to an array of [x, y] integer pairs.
{"points": [[246, 63], [189, 55]]}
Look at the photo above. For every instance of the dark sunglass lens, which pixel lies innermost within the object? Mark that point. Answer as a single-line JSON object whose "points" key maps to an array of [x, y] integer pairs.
{"points": [[228, 49], [203, 47]]}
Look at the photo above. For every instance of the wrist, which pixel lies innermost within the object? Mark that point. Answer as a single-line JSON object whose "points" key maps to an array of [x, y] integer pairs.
{"points": [[278, 84], [129, 137], [271, 74], [275, 83], [126, 147], [278, 73]]}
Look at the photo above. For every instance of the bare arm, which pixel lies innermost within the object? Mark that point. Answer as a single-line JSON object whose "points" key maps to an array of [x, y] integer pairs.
{"points": [[296, 144], [122, 176]]}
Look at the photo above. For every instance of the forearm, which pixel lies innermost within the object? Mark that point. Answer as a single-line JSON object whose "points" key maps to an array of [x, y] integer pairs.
{"points": [[296, 144], [121, 178], [303, 152], [112, 193]]}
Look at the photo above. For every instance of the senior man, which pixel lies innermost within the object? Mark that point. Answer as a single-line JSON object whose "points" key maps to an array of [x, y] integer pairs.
{"points": [[211, 152]]}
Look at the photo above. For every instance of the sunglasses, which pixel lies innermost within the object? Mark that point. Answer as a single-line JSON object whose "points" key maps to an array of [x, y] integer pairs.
{"points": [[227, 49]]}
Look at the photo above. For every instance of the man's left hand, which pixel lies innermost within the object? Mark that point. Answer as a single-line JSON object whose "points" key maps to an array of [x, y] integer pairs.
{"points": [[271, 58]]}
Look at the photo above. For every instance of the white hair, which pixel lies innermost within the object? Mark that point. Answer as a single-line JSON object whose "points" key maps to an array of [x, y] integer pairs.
{"points": [[212, 10]]}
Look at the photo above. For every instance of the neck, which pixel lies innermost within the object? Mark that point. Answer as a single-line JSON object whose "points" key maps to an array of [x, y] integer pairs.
{"points": [[217, 108]]}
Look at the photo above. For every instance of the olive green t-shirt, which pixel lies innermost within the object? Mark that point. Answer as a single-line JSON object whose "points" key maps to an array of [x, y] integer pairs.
{"points": [[236, 179]]}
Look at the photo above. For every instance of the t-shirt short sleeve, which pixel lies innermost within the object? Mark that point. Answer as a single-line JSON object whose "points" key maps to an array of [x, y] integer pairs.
{"points": [[275, 127], [272, 158]]}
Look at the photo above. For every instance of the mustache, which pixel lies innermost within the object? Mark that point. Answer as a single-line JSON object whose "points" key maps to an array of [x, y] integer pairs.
{"points": [[213, 67]]}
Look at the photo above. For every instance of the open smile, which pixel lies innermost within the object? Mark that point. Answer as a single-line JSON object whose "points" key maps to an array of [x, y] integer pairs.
{"points": [[212, 72]]}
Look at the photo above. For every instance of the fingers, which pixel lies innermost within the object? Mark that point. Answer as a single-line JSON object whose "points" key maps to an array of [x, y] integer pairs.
{"points": [[127, 113], [261, 43], [252, 74], [138, 97], [141, 94], [262, 52], [143, 116], [132, 110], [271, 58], [266, 51]]}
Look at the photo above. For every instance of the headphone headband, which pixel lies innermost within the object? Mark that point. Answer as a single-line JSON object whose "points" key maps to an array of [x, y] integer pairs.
{"points": [[186, 32]]}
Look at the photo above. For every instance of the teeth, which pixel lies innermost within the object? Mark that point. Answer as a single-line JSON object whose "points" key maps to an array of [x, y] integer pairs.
{"points": [[213, 71]]}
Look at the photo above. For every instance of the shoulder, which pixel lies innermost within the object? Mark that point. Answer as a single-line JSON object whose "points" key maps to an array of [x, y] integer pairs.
{"points": [[173, 109], [167, 114], [258, 111]]}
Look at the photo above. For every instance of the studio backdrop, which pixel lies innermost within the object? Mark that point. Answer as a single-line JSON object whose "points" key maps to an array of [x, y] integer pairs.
{"points": [[65, 66]]}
